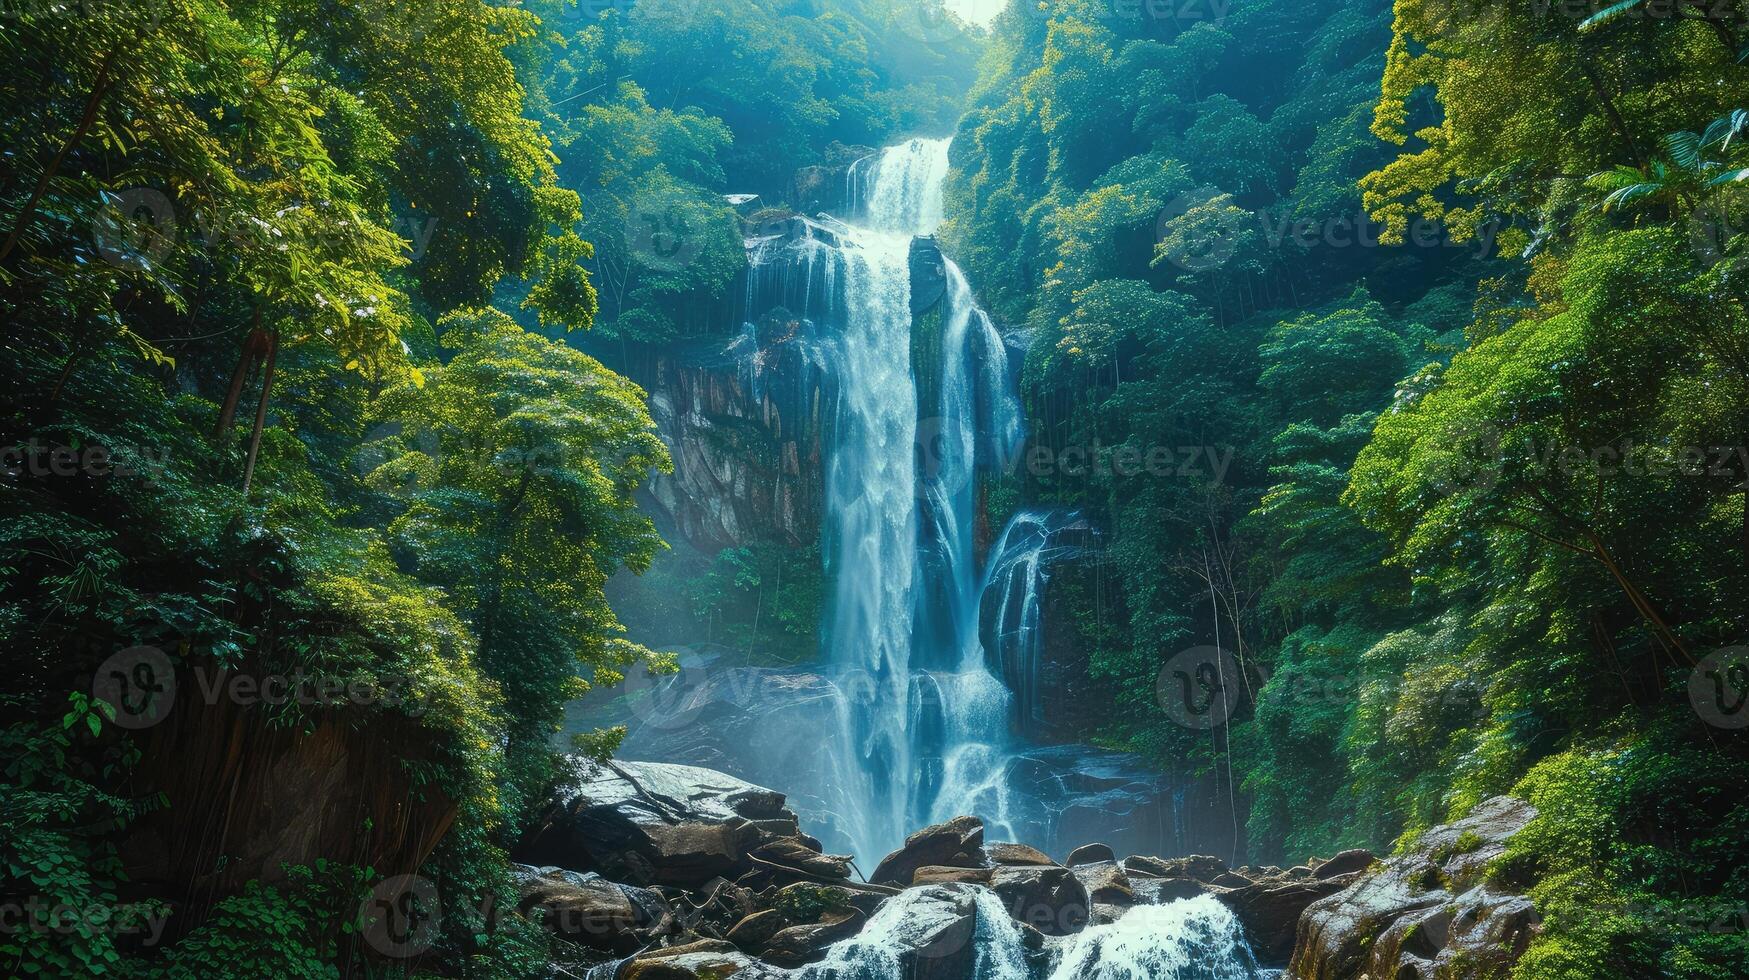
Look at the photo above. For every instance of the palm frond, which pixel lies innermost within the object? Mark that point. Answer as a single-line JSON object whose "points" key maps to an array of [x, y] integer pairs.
{"points": [[1615, 178], [1606, 15], [1628, 195], [1725, 129], [1684, 149]]}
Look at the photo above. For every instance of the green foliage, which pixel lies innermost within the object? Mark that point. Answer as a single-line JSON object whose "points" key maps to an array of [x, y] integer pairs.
{"points": [[806, 903], [516, 463], [1623, 901], [659, 110]]}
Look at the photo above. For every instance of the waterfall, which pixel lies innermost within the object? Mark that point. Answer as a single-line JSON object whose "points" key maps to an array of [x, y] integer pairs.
{"points": [[936, 675], [924, 728], [1191, 939], [1014, 584]]}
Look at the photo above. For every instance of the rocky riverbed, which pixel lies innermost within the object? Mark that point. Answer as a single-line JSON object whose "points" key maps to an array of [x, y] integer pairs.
{"points": [[653, 871]]}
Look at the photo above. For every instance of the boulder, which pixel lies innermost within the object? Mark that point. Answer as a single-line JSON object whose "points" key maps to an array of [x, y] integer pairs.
{"points": [[1104, 915], [754, 931], [1345, 863], [790, 858], [928, 274], [1428, 912], [934, 875], [797, 945], [705, 960], [1046, 897], [926, 933], [1270, 910], [654, 823], [1231, 879], [1106, 883], [1200, 867], [1090, 854], [586, 909], [865, 896], [958, 843], [1004, 853], [1159, 891]]}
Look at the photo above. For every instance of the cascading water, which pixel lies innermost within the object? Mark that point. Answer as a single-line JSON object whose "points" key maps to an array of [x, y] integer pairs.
{"points": [[938, 679], [924, 734], [871, 507], [1014, 583], [1193, 939], [910, 726], [1190, 939]]}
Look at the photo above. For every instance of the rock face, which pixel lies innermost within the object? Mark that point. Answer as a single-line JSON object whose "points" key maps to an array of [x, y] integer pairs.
{"points": [[743, 422], [826, 185], [651, 823], [928, 274], [1426, 913], [1040, 576], [1046, 897], [958, 843]]}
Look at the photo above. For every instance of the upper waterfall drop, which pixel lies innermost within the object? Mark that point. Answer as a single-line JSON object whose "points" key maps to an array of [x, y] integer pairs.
{"points": [[899, 189]]}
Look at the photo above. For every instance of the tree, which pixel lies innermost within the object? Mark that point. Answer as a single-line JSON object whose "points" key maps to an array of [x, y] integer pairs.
{"points": [[518, 460]]}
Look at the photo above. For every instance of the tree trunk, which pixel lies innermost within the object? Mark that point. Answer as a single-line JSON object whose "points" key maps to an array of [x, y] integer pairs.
{"points": [[99, 89], [260, 412], [245, 362]]}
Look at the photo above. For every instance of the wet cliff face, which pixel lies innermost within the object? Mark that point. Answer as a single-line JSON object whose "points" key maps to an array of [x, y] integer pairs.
{"points": [[746, 425], [825, 186], [1047, 570], [747, 417]]}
